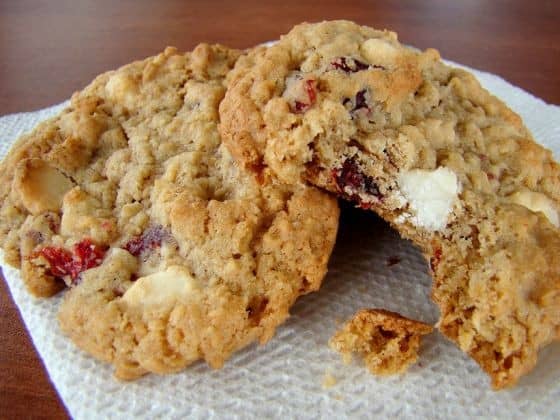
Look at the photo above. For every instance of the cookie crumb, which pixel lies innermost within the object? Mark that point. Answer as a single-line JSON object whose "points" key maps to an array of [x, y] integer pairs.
{"points": [[387, 341]]}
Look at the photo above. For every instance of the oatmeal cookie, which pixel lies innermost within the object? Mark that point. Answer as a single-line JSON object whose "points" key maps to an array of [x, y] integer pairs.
{"points": [[387, 341], [452, 168], [170, 251]]}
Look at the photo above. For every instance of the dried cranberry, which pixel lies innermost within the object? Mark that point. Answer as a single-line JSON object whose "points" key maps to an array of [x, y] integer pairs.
{"points": [[435, 259], [360, 101], [311, 91], [150, 239], [62, 262], [340, 64], [360, 66], [371, 187], [349, 65], [300, 106], [350, 175], [135, 245], [88, 255]]}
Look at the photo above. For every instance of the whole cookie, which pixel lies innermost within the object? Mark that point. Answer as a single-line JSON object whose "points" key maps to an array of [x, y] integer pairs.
{"points": [[171, 252], [349, 109]]}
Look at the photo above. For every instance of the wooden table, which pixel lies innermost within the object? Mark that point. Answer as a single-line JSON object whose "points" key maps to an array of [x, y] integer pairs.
{"points": [[50, 48]]}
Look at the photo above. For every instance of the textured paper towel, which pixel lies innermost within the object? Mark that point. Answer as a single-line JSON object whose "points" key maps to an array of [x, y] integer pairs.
{"points": [[283, 379]]}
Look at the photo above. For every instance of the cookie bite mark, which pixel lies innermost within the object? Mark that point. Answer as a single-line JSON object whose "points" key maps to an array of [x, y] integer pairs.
{"points": [[430, 151], [387, 341]]}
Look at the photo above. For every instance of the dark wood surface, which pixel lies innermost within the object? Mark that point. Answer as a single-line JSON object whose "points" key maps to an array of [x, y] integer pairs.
{"points": [[50, 48]]}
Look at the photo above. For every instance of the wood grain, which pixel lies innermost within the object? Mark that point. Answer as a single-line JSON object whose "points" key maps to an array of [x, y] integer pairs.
{"points": [[50, 48]]}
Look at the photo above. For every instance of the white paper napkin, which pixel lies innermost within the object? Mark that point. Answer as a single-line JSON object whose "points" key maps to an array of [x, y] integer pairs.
{"points": [[284, 378]]}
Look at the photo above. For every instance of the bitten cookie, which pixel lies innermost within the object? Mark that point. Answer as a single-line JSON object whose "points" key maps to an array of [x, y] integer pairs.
{"points": [[349, 109], [171, 252], [387, 341]]}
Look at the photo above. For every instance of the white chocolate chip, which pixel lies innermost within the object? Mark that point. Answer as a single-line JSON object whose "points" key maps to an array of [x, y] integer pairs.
{"points": [[430, 195], [536, 202], [40, 186], [380, 52], [162, 288]]}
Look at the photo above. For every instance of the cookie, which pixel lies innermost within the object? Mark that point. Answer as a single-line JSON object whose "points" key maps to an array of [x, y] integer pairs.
{"points": [[171, 252], [387, 341], [452, 168]]}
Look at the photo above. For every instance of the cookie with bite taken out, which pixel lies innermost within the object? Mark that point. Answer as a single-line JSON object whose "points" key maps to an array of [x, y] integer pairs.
{"points": [[396, 131]]}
